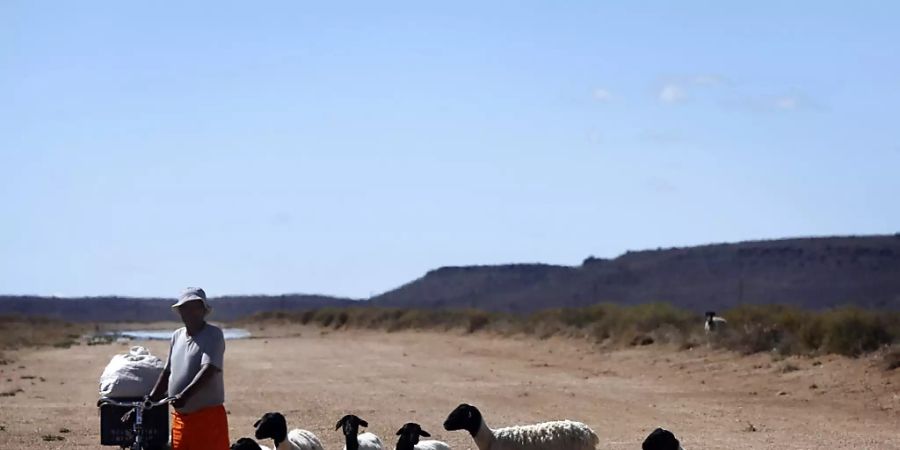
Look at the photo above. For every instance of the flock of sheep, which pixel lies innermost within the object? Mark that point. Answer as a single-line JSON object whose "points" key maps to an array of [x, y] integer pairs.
{"points": [[556, 435]]}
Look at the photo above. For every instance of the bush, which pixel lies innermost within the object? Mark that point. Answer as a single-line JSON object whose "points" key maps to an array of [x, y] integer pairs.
{"points": [[782, 330], [787, 330], [853, 332]]}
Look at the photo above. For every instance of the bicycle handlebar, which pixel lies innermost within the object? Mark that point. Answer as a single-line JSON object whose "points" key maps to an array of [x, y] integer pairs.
{"points": [[145, 404]]}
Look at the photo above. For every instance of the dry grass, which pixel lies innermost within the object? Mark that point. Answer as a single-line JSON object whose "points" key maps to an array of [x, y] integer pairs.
{"points": [[18, 332], [780, 330], [787, 330], [751, 329]]}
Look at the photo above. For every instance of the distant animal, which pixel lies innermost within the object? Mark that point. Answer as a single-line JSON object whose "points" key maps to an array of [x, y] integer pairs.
{"points": [[713, 322], [661, 439], [273, 426], [349, 425], [555, 435], [409, 439]]}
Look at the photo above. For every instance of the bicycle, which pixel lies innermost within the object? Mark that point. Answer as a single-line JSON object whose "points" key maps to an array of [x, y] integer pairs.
{"points": [[138, 407]]}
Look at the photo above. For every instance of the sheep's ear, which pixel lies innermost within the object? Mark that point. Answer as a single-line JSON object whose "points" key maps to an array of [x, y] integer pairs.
{"points": [[256, 424], [339, 423], [363, 423], [424, 433], [400, 431]]}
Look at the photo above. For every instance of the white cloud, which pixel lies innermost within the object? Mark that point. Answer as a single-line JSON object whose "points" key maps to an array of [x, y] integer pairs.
{"points": [[786, 103], [602, 95], [774, 103], [672, 93], [676, 89]]}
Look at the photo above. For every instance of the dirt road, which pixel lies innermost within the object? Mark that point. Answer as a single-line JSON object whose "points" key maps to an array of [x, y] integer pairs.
{"points": [[711, 400]]}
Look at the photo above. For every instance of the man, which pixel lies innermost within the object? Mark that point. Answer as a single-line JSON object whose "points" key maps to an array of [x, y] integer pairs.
{"points": [[193, 376]]}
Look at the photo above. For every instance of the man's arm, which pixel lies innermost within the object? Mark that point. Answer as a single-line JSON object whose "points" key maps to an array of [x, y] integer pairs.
{"points": [[203, 376], [162, 385]]}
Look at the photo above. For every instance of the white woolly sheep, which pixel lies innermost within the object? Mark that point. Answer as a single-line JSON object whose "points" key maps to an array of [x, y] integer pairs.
{"points": [[557, 435], [661, 439], [349, 425], [409, 439], [273, 426]]}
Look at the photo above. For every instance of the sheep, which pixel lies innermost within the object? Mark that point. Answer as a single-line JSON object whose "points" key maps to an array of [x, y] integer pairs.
{"points": [[272, 425], [409, 439], [661, 439], [713, 322], [352, 439], [247, 444], [557, 435]]}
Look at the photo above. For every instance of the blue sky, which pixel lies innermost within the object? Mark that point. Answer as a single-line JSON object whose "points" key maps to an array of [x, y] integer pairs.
{"points": [[346, 148]]}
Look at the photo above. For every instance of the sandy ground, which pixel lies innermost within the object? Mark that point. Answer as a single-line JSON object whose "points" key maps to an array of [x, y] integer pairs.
{"points": [[710, 399]]}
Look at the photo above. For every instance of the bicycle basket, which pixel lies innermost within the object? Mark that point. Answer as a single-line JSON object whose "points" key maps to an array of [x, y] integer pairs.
{"points": [[115, 432]]}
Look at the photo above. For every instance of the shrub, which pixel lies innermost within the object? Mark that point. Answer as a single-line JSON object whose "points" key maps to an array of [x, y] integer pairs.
{"points": [[782, 330], [852, 332]]}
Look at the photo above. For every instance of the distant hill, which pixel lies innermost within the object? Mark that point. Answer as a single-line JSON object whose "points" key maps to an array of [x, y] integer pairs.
{"points": [[813, 273], [126, 309]]}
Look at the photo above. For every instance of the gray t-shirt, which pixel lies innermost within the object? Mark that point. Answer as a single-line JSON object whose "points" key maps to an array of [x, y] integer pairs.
{"points": [[187, 355]]}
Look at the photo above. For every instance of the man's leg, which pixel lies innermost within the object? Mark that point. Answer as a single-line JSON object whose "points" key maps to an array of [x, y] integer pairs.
{"points": [[220, 438], [208, 429]]}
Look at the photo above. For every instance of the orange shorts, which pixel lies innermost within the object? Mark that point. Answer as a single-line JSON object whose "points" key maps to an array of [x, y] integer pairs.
{"points": [[206, 429]]}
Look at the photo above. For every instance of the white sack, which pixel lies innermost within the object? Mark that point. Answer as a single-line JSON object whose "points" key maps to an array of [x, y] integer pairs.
{"points": [[131, 375]]}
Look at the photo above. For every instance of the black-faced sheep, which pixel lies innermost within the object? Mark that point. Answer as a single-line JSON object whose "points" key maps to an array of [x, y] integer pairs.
{"points": [[556, 435]]}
